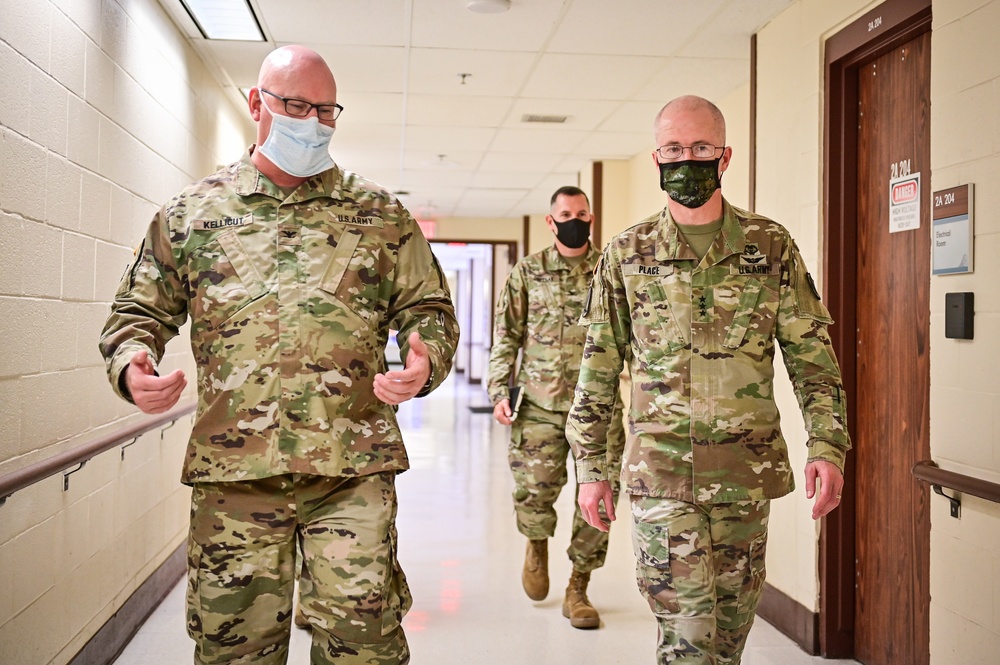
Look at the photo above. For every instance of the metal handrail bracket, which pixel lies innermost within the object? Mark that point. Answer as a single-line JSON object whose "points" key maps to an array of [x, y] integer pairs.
{"points": [[938, 478], [80, 455]]}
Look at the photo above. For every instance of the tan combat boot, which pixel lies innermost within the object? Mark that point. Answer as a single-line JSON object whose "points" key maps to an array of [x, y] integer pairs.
{"points": [[576, 607], [535, 576]]}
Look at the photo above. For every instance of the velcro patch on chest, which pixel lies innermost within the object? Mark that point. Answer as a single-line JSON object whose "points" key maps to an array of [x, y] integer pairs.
{"points": [[358, 220], [224, 223], [754, 262], [755, 269], [640, 269]]}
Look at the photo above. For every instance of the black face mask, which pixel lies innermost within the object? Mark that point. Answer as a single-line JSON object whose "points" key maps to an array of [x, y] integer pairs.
{"points": [[573, 233], [690, 182]]}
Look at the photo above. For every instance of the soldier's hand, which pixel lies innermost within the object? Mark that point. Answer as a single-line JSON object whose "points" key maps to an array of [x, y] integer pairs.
{"points": [[502, 412], [151, 393], [831, 484], [591, 496], [398, 386]]}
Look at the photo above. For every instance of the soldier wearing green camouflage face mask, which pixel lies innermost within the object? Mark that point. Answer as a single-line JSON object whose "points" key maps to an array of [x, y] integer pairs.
{"points": [[695, 299], [538, 316], [292, 272]]}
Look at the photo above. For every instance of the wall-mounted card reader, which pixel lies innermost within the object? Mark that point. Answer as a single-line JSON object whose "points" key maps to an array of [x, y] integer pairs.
{"points": [[959, 308]]}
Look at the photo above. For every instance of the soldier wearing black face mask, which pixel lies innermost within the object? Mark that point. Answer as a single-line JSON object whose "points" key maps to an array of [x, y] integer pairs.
{"points": [[695, 300], [538, 315]]}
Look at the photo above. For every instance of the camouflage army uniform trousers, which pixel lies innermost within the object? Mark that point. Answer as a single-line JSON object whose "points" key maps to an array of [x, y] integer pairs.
{"points": [[242, 561], [701, 568], [537, 456]]}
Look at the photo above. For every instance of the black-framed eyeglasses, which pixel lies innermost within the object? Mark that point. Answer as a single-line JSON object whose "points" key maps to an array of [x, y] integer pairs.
{"points": [[299, 108], [698, 151]]}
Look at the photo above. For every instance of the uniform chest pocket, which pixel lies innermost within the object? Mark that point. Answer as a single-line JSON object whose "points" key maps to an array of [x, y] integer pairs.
{"points": [[352, 276], [655, 323], [753, 321], [222, 281]]}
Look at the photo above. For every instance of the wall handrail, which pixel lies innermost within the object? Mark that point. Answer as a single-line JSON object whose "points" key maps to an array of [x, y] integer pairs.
{"points": [[929, 472], [78, 456]]}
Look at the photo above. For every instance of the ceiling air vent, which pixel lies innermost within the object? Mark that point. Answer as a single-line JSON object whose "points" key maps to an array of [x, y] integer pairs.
{"points": [[548, 119]]}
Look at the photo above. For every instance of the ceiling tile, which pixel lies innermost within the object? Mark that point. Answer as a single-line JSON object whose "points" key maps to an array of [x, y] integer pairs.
{"points": [[461, 160], [634, 27], [559, 75], [525, 27], [368, 23], [614, 145], [369, 108], [517, 162], [448, 139], [506, 180], [712, 78], [425, 178], [492, 73], [633, 117], [582, 114], [365, 68], [456, 111], [540, 141], [351, 137], [728, 36], [572, 164]]}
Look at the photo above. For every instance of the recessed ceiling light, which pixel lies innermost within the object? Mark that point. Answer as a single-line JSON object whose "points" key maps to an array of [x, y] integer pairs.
{"points": [[224, 19], [488, 6]]}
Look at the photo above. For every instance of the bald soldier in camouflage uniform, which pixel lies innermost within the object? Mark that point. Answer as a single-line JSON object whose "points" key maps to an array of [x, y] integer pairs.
{"points": [[538, 315], [292, 272], [695, 299]]}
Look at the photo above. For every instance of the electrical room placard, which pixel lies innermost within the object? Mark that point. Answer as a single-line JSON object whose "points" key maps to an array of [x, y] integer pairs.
{"points": [[952, 230]]}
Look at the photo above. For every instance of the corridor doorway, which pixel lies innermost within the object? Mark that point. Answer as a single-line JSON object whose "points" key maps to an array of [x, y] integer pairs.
{"points": [[476, 271], [875, 553]]}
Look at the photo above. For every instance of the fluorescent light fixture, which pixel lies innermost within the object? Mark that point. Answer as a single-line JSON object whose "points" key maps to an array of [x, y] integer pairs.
{"points": [[225, 19]]}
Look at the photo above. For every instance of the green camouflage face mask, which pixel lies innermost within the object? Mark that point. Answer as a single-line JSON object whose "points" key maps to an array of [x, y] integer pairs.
{"points": [[691, 182]]}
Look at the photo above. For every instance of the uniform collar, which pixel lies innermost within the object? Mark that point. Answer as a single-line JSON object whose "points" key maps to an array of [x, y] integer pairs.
{"points": [[249, 180], [671, 245], [556, 262]]}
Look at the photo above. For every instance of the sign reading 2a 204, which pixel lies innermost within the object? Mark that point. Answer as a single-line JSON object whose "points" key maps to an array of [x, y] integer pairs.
{"points": [[904, 203]]}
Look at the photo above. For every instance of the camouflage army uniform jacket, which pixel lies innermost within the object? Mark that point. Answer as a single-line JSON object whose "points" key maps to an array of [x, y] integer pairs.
{"points": [[539, 312], [699, 339], [291, 301]]}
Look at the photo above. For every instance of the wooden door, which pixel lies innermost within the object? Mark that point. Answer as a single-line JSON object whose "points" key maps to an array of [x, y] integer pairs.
{"points": [[892, 367]]}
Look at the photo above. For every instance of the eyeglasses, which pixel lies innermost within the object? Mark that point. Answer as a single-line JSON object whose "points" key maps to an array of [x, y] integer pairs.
{"points": [[300, 108], [698, 151]]}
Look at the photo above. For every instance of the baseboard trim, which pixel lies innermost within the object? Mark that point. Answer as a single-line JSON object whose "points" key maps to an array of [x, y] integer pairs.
{"points": [[108, 643], [792, 618]]}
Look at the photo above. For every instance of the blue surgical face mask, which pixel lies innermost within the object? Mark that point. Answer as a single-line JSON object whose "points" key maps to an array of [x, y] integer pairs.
{"points": [[298, 146]]}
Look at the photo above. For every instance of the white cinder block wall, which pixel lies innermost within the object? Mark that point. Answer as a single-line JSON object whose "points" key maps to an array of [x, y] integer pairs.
{"points": [[965, 385], [105, 112], [965, 381]]}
